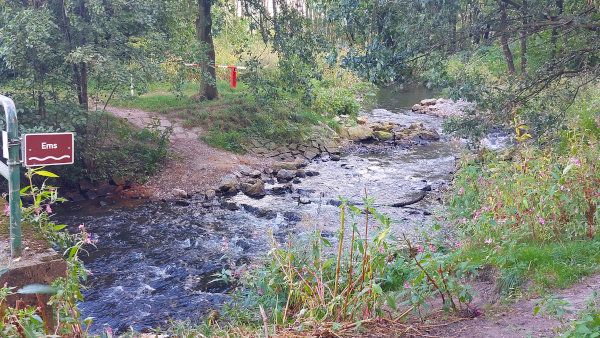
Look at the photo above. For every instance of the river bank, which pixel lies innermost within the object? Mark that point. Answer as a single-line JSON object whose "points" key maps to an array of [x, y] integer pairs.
{"points": [[160, 255]]}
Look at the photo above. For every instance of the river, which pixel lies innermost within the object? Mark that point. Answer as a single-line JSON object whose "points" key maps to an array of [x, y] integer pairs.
{"points": [[154, 260]]}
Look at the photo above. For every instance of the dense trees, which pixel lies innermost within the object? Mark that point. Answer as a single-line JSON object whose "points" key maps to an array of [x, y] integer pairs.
{"points": [[56, 47]]}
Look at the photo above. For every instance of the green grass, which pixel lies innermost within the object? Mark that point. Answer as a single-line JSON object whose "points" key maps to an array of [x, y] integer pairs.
{"points": [[161, 99], [549, 265], [234, 118]]}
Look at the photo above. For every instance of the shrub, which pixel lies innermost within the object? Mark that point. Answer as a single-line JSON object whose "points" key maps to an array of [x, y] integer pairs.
{"points": [[114, 149], [335, 101]]}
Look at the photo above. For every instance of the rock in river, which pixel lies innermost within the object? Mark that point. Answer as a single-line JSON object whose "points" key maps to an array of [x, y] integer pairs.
{"points": [[229, 185], [360, 133], [254, 188], [284, 175]]}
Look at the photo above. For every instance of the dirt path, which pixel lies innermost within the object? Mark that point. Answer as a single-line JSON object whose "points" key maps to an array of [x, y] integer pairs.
{"points": [[518, 320], [192, 166]]}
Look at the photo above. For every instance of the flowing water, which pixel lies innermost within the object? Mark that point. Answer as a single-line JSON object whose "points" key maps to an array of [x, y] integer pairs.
{"points": [[154, 261]]}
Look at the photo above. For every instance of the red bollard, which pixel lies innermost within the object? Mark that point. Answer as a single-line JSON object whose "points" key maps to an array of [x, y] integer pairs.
{"points": [[233, 77]]}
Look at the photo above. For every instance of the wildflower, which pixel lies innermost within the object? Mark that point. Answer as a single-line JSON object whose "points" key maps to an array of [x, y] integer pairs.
{"points": [[48, 209], [6, 210], [541, 220], [420, 248], [406, 285], [458, 245], [432, 248], [575, 161], [461, 191], [38, 210], [489, 241]]}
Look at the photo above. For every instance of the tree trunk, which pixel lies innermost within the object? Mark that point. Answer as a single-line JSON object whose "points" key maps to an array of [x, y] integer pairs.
{"points": [[523, 38], [504, 38], [208, 88], [554, 37], [84, 86]]}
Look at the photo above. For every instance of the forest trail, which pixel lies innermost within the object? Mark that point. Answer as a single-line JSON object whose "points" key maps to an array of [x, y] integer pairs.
{"points": [[192, 165], [518, 319]]}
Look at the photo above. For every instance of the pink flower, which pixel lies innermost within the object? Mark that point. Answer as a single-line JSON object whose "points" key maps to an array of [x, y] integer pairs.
{"points": [[420, 248], [48, 209], [489, 241], [6, 210], [541, 220], [461, 191], [432, 248], [458, 245], [406, 285], [575, 161]]}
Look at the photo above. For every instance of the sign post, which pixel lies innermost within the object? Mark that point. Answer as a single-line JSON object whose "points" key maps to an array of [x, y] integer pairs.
{"points": [[12, 172]]}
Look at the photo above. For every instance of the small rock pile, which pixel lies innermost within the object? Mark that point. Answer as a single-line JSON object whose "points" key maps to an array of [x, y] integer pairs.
{"points": [[443, 107], [252, 182], [365, 131]]}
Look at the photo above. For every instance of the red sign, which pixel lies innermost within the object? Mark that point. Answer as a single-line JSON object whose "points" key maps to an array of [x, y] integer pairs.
{"points": [[48, 149]]}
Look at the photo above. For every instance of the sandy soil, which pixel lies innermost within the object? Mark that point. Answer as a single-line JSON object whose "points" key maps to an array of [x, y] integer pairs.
{"points": [[193, 166]]}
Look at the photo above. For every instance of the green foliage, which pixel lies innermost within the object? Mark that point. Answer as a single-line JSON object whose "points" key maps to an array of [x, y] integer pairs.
{"points": [[587, 325], [532, 212], [113, 149], [31, 321], [366, 273], [335, 101]]}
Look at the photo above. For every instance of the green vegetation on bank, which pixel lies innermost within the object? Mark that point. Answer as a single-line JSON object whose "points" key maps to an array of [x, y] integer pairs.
{"points": [[531, 212]]}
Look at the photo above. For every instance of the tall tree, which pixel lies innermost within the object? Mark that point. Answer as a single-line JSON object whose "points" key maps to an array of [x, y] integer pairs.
{"points": [[503, 30], [208, 87]]}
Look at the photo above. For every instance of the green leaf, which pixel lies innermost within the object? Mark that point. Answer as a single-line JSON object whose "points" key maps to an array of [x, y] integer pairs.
{"points": [[46, 173], [36, 289], [58, 227], [377, 289]]}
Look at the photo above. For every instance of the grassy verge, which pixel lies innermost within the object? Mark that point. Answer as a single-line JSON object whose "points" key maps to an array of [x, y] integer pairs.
{"points": [[240, 115]]}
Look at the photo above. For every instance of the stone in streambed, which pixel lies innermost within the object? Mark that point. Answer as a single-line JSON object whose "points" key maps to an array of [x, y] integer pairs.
{"points": [[180, 193], [360, 133], [255, 188], [285, 175], [229, 185], [383, 135]]}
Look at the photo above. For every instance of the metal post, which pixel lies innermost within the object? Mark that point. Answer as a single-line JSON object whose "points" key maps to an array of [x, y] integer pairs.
{"points": [[12, 172]]}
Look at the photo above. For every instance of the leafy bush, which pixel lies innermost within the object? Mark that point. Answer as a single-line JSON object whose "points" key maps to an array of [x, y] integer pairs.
{"points": [[114, 149], [540, 196], [64, 319], [335, 101]]}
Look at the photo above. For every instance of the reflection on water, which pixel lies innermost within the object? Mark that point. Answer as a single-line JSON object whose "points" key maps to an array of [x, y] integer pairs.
{"points": [[397, 97]]}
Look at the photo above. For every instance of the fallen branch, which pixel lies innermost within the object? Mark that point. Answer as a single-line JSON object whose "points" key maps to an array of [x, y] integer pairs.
{"points": [[403, 204]]}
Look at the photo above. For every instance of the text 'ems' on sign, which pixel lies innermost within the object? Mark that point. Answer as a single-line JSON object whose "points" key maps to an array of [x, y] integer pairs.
{"points": [[48, 149]]}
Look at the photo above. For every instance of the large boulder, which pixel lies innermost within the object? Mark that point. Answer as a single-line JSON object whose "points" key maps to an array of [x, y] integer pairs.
{"points": [[229, 185], [415, 132], [360, 133], [383, 135], [254, 188], [285, 175]]}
